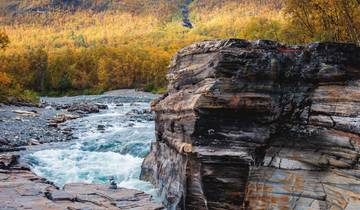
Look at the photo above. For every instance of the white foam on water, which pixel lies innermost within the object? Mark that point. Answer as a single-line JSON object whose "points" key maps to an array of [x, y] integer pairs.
{"points": [[71, 166]]}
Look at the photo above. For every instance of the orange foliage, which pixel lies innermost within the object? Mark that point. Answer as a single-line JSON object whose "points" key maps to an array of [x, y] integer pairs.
{"points": [[129, 43]]}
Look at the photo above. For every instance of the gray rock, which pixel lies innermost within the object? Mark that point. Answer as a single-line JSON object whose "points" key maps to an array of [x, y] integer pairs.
{"points": [[101, 127], [102, 106], [4, 141], [266, 126], [84, 108], [33, 142]]}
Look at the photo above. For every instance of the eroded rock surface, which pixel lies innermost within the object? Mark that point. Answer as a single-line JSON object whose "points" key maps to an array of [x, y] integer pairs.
{"points": [[265, 126]]}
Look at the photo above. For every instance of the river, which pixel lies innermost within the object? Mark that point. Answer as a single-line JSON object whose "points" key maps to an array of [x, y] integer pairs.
{"points": [[111, 143]]}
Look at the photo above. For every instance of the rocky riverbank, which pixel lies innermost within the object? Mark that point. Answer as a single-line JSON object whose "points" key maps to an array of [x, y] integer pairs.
{"points": [[259, 125], [22, 189], [34, 125], [26, 129]]}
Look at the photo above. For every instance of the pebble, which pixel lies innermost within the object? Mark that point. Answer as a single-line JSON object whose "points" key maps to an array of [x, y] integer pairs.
{"points": [[33, 142]]}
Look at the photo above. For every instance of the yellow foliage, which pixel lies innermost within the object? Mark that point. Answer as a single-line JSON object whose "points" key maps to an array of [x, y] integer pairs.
{"points": [[130, 48], [326, 20], [4, 79]]}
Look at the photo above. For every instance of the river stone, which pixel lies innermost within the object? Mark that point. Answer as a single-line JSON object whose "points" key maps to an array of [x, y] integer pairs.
{"points": [[7, 160], [33, 142], [102, 106], [101, 127], [4, 141], [271, 127], [83, 108]]}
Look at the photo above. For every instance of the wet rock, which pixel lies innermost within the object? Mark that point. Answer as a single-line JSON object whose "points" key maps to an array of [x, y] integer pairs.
{"points": [[53, 125], [11, 149], [32, 142], [102, 106], [101, 127], [83, 108], [48, 107], [4, 141], [61, 118], [67, 132], [19, 119], [68, 129], [130, 125], [140, 114], [26, 113], [61, 106], [82, 113], [265, 125], [113, 184]]}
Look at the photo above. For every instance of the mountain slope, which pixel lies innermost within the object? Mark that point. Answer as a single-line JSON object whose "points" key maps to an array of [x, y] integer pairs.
{"points": [[133, 6]]}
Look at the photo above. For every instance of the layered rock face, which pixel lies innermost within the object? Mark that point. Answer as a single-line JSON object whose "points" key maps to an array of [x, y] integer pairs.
{"points": [[259, 126]]}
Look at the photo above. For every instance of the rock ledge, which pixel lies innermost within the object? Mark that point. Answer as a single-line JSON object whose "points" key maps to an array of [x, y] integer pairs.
{"points": [[269, 126]]}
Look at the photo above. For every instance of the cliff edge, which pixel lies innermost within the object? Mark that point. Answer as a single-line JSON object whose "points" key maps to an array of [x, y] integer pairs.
{"points": [[259, 125]]}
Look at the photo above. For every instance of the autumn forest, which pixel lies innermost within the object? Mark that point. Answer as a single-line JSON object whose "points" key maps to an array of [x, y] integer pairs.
{"points": [[57, 47]]}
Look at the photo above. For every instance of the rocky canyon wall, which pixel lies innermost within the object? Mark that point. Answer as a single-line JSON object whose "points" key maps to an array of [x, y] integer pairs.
{"points": [[259, 125]]}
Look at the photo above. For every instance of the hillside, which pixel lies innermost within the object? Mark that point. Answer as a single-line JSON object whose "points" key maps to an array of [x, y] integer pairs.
{"points": [[87, 46], [163, 8], [21, 7]]}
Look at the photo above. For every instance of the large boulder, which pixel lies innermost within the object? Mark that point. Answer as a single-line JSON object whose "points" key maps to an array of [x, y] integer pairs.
{"points": [[259, 125]]}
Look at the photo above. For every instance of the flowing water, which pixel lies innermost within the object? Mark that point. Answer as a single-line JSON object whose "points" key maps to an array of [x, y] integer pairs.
{"points": [[111, 143]]}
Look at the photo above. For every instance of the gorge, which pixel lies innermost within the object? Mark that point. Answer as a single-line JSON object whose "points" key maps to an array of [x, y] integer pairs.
{"points": [[166, 104], [259, 125]]}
